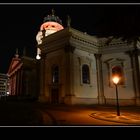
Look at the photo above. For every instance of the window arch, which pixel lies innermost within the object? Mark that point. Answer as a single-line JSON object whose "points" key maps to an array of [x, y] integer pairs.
{"points": [[118, 70], [55, 74], [85, 74]]}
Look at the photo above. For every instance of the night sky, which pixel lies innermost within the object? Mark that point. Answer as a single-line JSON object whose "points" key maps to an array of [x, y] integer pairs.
{"points": [[20, 23]]}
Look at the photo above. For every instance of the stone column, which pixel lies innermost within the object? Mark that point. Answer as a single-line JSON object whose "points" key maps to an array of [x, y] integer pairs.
{"points": [[18, 82], [37, 83], [100, 86], [69, 74], [41, 75], [27, 82], [16, 74], [15, 83], [136, 75], [12, 84], [21, 81]]}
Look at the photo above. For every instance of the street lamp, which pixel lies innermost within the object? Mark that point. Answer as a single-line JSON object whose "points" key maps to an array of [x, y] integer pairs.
{"points": [[116, 80]]}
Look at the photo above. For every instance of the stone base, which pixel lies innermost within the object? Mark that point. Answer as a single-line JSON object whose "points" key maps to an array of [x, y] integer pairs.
{"points": [[101, 100], [72, 100], [69, 100], [138, 101], [43, 99]]}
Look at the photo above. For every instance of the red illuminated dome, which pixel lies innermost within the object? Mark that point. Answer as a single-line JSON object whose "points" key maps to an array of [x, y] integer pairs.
{"points": [[51, 24]]}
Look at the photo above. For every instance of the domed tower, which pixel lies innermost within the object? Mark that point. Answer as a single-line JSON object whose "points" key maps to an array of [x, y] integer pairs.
{"points": [[51, 24]]}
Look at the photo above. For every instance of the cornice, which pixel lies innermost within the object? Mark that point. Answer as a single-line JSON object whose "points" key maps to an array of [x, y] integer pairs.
{"points": [[116, 48], [82, 41]]}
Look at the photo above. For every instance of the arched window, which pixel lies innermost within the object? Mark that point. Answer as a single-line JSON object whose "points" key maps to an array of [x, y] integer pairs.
{"points": [[117, 70], [55, 74], [85, 74]]}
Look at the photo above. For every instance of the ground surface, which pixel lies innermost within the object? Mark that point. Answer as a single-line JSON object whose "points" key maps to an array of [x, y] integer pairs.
{"points": [[19, 113]]}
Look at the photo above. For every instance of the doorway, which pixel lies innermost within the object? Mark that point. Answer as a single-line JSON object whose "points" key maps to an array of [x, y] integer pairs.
{"points": [[54, 96]]}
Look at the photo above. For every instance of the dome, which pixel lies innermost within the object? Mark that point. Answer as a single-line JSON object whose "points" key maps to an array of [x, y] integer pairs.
{"points": [[53, 18], [52, 22], [50, 25]]}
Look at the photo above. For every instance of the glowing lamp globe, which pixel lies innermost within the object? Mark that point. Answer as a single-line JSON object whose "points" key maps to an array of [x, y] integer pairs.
{"points": [[116, 80]]}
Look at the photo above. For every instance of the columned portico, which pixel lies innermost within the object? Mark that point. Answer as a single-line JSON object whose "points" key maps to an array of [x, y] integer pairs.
{"points": [[22, 77]]}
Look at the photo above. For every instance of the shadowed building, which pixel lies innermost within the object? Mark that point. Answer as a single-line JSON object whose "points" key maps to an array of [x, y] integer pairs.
{"points": [[77, 68], [22, 75], [3, 84]]}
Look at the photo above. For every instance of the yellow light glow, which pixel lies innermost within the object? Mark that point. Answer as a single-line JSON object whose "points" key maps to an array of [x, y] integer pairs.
{"points": [[115, 79]]}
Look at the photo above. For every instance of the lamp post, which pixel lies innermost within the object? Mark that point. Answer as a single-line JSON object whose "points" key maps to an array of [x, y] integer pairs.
{"points": [[116, 80]]}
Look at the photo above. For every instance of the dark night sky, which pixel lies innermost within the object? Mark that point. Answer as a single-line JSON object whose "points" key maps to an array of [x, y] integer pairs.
{"points": [[20, 23]]}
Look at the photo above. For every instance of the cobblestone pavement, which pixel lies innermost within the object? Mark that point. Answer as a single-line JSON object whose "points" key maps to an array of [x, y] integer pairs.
{"points": [[93, 115], [41, 114], [126, 118]]}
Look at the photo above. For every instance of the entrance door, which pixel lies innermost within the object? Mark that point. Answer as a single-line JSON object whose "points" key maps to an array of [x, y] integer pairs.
{"points": [[54, 96]]}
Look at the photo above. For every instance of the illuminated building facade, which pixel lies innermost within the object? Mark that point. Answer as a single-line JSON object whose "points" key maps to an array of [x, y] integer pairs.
{"points": [[22, 76], [73, 67], [77, 68]]}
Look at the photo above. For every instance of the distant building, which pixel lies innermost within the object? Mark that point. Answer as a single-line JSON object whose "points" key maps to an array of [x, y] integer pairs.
{"points": [[3, 84], [22, 76]]}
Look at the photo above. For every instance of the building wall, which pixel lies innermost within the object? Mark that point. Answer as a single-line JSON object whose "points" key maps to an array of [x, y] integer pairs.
{"points": [[84, 93], [125, 92], [71, 88], [51, 59], [3, 85], [29, 80], [23, 82], [69, 50]]}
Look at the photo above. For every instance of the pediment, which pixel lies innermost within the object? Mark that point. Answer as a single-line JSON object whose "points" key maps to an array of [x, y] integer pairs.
{"points": [[14, 63]]}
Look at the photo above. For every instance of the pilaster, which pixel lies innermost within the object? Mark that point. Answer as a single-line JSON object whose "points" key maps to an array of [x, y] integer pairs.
{"points": [[101, 97], [69, 70], [136, 75]]}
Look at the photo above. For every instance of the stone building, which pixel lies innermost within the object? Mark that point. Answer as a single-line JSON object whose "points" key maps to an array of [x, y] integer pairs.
{"points": [[3, 84], [22, 74], [77, 68], [73, 67]]}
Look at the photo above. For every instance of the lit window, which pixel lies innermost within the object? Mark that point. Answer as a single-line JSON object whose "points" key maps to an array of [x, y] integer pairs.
{"points": [[55, 74], [85, 74]]}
